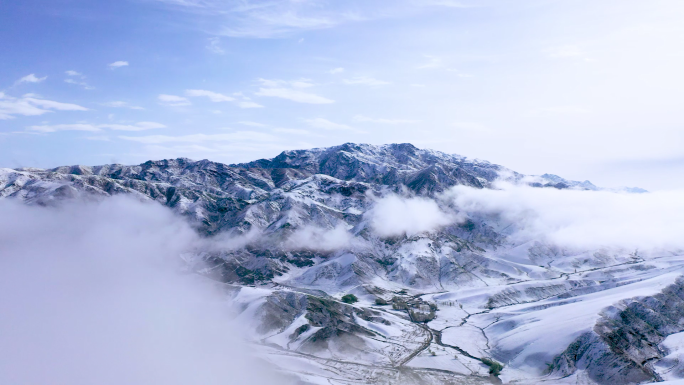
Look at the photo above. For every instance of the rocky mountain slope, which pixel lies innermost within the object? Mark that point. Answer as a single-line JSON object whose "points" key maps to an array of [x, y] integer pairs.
{"points": [[456, 302]]}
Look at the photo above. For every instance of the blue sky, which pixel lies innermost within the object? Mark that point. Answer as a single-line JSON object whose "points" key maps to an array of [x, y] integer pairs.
{"points": [[583, 89]]}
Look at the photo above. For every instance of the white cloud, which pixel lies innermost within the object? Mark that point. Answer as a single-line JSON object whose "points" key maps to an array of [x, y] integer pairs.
{"points": [[49, 104], [365, 81], [140, 126], [32, 78], [213, 96], [433, 62], [115, 104], [215, 46], [444, 3], [300, 83], [266, 19], [271, 19], [64, 127], [120, 104], [294, 95], [216, 97], [395, 216], [11, 107], [202, 138], [290, 89], [580, 218], [253, 124], [98, 293], [79, 83], [149, 125], [292, 131], [118, 64], [31, 106], [99, 138], [326, 124], [361, 118], [73, 73], [271, 83], [173, 100], [337, 70], [249, 105]]}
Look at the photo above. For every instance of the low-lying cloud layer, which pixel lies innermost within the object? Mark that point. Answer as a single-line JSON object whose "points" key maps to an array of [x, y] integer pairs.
{"points": [[96, 294], [570, 218], [580, 218], [314, 238], [395, 216]]}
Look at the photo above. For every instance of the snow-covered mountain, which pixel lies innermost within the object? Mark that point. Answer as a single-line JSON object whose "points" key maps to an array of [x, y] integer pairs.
{"points": [[449, 297]]}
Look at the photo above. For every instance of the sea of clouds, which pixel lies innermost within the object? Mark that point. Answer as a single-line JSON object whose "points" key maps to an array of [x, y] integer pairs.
{"points": [[95, 293], [569, 218]]}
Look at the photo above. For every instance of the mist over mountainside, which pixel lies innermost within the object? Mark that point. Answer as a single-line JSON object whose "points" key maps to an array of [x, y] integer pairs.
{"points": [[461, 271]]}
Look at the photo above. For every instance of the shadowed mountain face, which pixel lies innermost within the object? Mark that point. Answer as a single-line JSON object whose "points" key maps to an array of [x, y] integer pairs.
{"points": [[423, 171], [435, 306]]}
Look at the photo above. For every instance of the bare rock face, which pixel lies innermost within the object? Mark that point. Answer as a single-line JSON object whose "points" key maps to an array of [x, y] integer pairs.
{"points": [[624, 343]]}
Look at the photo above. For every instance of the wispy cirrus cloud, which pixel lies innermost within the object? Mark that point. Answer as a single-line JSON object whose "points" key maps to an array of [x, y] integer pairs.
{"points": [[447, 3], [366, 119], [203, 138], [365, 81], [140, 126], [217, 97], [248, 104], [298, 83], [325, 124], [279, 130], [213, 96], [277, 19], [291, 90], [214, 46], [294, 95], [120, 104], [31, 78], [77, 78], [252, 124], [99, 138], [50, 104], [173, 100], [28, 105], [83, 84], [64, 127], [264, 19], [291, 131]]}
